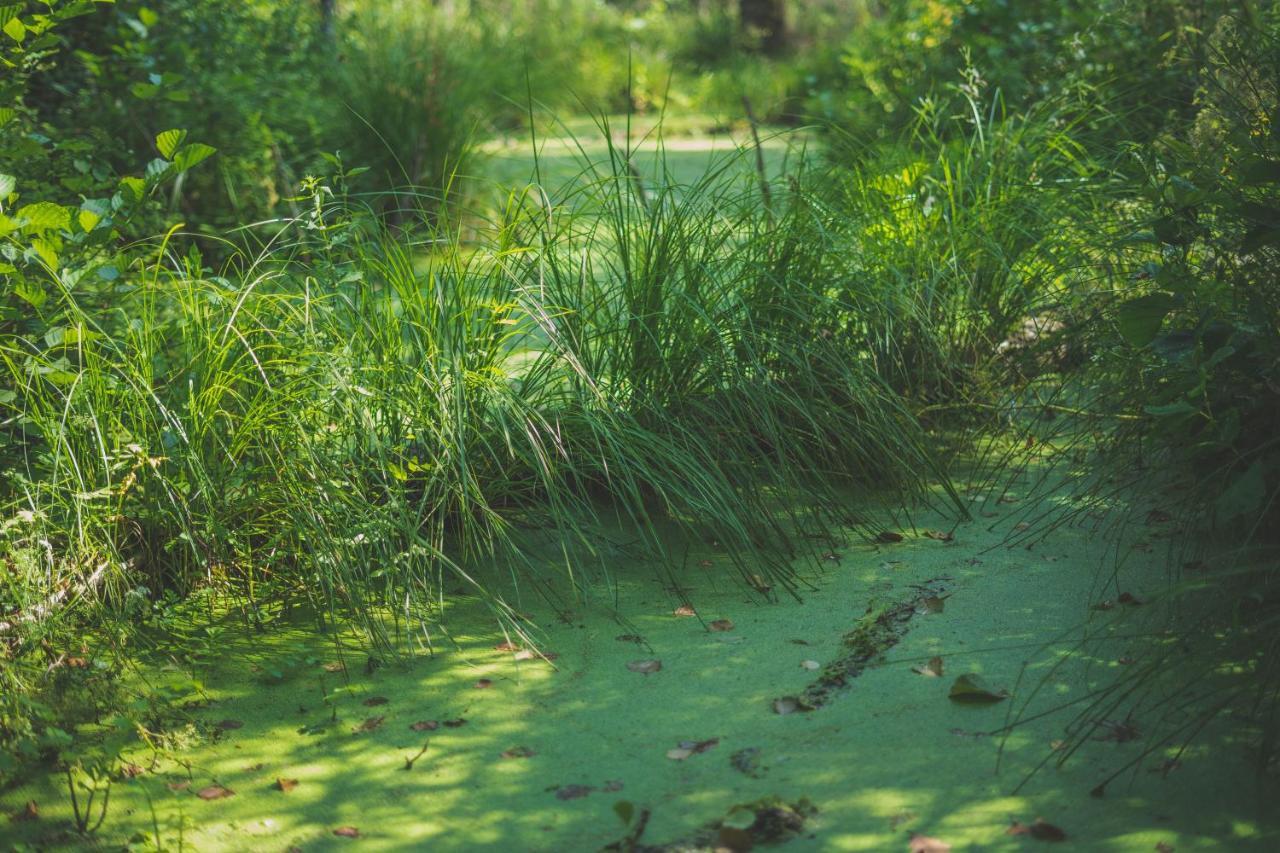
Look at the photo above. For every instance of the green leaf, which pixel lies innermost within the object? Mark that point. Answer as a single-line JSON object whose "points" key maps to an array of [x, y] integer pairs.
{"points": [[167, 143], [1179, 407], [44, 216], [1244, 497], [971, 689], [30, 292], [190, 155], [16, 30], [88, 219], [6, 115], [136, 187], [8, 183], [625, 810], [1140, 319]]}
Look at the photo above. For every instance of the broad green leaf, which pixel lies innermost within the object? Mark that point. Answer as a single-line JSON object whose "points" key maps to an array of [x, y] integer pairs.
{"points": [[16, 30], [167, 143], [47, 251], [8, 183], [192, 154], [136, 187], [88, 219], [44, 216], [1245, 496], [30, 292], [6, 115], [1140, 319]]}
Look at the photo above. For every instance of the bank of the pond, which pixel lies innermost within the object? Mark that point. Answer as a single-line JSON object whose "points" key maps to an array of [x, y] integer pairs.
{"points": [[525, 754]]}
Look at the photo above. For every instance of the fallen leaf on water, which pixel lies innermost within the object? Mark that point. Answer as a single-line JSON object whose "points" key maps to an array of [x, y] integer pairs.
{"points": [[425, 726], [704, 564], [721, 625], [679, 754], [1057, 745], [972, 689], [1022, 525], [759, 584], [453, 724], [333, 666], [375, 701], [932, 669], [347, 832], [129, 770], [215, 792], [888, 536], [573, 792], [1040, 829], [810, 664], [369, 725], [228, 725], [1128, 599], [180, 785], [530, 654], [924, 844], [484, 684], [790, 704], [519, 752], [506, 647], [684, 610], [933, 603], [699, 746], [940, 535], [286, 785], [645, 666]]}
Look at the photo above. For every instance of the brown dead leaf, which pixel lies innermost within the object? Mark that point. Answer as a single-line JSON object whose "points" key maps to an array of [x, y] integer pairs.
{"points": [[933, 604], [215, 792], [333, 666], [1128, 599], [888, 537], [704, 564], [180, 785], [425, 726], [573, 792], [721, 625], [932, 669], [924, 844], [369, 725], [375, 701], [1040, 830], [506, 647], [810, 664], [645, 666], [347, 832], [286, 785], [940, 535], [453, 724], [30, 811], [519, 752], [679, 754], [684, 610], [484, 684], [699, 746]]}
